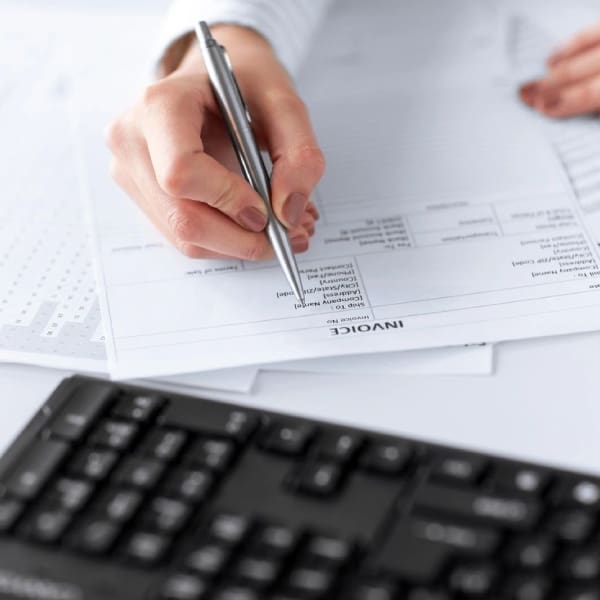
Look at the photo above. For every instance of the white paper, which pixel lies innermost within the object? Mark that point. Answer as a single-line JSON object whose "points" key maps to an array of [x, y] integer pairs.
{"points": [[49, 310], [468, 360], [447, 217]]}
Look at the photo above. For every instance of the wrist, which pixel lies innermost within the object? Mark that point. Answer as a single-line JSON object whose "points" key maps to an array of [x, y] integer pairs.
{"points": [[241, 42]]}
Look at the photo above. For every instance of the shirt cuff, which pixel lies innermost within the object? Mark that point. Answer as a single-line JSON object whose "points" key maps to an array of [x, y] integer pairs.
{"points": [[288, 25]]}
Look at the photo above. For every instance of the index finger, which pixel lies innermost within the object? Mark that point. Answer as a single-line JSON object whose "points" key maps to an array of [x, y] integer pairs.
{"points": [[172, 124]]}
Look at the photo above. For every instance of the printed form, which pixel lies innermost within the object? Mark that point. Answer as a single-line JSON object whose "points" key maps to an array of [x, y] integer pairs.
{"points": [[448, 214]]}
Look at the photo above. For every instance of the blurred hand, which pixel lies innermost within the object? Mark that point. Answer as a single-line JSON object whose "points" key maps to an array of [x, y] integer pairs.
{"points": [[572, 85], [173, 156]]}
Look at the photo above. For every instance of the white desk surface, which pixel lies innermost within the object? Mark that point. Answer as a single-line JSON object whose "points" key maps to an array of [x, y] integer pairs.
{"points": [[542, 404]]}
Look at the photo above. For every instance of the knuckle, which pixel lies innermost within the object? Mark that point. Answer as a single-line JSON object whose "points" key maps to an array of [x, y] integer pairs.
{"points": [[173, 179], [115, 136], [155, 93], [225, 197], [188, 249], [181, 226], [254, 251], [313, 157]]}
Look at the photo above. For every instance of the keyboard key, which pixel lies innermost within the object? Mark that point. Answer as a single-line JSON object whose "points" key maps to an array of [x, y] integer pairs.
{"points": [[236, 593], [120, 505], [212, 454], [76, 416], [229, 529], [143, 473], [581, 565], [184, 587], [10, 511], [372, 591], [95, 536], [166, 515], [582, 493], [427, 594], [340, 446], [330, 550], [572, 526], [116, 435], [531, 553], [210, 419], [276, 540], [147, 548], [581, 593], [312, 583], [164, 445], [257, 572], [516, 513], [34, 467], [70, 494], [458, 469], [521, 480], [192, 485], [291, 439], [529, 587], [387, 458], [473, 580], [320, 479], [94, 464], [208, 560], [418, 549], [47, 525], [139, 408]]}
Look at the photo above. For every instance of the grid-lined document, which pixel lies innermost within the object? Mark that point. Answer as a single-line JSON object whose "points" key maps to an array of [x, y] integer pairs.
{"points": [[448, 214]]}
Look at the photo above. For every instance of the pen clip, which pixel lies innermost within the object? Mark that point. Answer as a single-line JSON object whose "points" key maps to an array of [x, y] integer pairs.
{"points": [[235, 83]]}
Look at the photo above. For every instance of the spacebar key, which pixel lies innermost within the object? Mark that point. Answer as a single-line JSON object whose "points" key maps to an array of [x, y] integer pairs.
{"points": [[34, 468]]}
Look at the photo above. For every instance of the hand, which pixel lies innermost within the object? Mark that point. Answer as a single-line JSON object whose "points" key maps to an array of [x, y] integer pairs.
{"points": [[172, 154], [572, 85]]}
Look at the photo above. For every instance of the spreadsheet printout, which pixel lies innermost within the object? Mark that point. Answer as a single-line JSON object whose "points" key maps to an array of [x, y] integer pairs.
{"points": [[448, 216]]}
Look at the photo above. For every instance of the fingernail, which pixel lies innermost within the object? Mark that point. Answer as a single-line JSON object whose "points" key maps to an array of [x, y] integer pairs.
{"points": [[529, 91], [550, 101], [253, 219], [294, 208], [299, 243]]}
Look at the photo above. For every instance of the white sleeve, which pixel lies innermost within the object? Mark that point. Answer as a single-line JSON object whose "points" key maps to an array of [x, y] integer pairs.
{"points": [[287, 24]]}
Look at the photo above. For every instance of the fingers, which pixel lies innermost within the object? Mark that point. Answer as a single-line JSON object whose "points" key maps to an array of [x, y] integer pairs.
{"points": [[583, 41], [298, 163], [578, 68], [566, 101], [172, 124]]}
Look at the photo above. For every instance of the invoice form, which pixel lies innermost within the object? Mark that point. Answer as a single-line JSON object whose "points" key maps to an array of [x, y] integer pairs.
{"points": [[448, 215]]}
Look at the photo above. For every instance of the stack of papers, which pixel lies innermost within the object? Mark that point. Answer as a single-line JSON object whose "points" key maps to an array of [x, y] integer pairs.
{"points": [[452, 217]]}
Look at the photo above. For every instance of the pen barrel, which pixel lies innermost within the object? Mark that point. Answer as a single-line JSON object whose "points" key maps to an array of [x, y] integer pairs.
{"points": [[237, 120]]}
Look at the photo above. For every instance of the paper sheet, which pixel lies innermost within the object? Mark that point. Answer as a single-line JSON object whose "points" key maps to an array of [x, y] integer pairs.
{"points": [[470, 360], [448, 217], [49, 310]]}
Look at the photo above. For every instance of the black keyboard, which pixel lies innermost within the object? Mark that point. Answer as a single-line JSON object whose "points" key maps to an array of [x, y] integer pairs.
{"points": [[120, 492]]}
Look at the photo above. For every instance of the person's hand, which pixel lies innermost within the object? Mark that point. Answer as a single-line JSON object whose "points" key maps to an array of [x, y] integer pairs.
{"points": [[572, 84], [172, 154]]}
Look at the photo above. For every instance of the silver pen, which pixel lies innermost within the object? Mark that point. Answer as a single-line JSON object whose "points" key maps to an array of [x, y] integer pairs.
{"points": [[238, 121]]}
